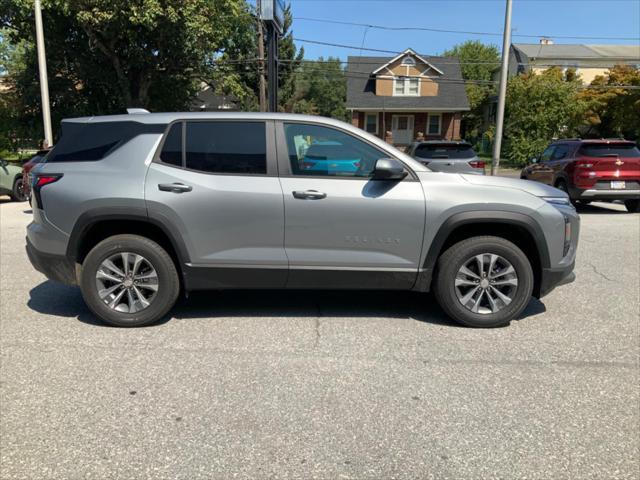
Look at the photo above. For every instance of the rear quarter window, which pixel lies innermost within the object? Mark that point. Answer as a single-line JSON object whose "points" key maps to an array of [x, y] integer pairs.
{"points": [[90, 142]]}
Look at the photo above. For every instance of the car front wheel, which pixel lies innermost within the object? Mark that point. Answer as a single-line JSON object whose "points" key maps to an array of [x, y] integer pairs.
{"points": [[483, 281], [129, 281]]}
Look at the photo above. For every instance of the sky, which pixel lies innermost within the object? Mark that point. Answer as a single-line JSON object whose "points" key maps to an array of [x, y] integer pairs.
{"points": [[585, 18]]}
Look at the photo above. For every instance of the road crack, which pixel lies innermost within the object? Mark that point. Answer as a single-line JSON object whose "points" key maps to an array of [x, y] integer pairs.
{"points": [[316, 326], [598, 272]]}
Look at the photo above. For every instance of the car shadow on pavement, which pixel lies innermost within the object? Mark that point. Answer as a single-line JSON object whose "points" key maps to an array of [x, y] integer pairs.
{"points": [[600, 209], [50, 298]]}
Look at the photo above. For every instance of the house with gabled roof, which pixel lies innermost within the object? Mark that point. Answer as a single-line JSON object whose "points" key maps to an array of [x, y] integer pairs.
{"points": [[397, 98]]}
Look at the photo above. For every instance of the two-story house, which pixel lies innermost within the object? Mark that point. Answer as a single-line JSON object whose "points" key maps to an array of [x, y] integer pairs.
{"points": [[406, 95]]}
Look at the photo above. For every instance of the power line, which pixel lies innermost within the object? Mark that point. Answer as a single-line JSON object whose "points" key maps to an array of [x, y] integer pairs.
{"points": [[441, 30]]}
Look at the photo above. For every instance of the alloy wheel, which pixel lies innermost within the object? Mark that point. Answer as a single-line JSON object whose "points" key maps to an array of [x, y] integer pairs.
{"points": [[127, 282], [486, 283]]}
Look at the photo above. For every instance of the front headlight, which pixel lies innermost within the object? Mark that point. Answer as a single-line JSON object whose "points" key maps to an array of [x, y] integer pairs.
{"points": [[562, 201]]}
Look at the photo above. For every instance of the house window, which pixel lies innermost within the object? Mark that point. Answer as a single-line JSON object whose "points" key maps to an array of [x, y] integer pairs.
{"points": [[435, 121], [408, 61], [406, 86], [371, 122]]}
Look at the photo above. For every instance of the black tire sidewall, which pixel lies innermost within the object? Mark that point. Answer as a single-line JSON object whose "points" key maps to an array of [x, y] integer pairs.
{"points": [[16, 194], [451, 261], [632, 206], [168, 281]]}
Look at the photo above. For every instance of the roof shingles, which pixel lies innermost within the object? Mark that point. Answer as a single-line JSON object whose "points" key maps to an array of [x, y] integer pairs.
{"points": [[361, 86]]}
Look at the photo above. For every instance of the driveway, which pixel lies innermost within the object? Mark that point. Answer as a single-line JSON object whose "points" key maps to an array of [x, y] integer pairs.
{"points": [[325, 385]]}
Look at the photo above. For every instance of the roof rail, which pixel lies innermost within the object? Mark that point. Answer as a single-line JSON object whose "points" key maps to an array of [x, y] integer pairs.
{"points": [[132, 111]]}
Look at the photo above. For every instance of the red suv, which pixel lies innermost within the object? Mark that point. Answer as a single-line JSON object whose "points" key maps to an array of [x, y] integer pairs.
{"points": [[607, 169]]}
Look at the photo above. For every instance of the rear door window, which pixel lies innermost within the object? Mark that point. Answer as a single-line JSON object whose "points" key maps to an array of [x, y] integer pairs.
{"points": [[445, 151], [624, 150], [560, 152], [546, 155], [226, 147]]}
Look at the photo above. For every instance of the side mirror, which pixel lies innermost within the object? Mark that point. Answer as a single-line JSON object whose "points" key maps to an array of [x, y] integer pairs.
{"points": [[389, 169], [3, 163]]}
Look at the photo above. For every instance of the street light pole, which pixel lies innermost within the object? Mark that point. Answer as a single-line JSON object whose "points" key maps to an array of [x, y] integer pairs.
{"points": [[502, 92], [44, 83]]}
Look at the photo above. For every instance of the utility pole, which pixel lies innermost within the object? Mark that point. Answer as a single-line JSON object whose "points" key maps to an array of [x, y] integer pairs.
{"points": [[502, 92], [272, 67], [263, 86], [42, 69]]}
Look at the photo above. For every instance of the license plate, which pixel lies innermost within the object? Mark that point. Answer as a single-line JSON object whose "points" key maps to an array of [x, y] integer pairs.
{"points": [[618, 185]]}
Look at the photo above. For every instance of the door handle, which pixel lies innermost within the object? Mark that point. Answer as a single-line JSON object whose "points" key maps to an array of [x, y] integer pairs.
{"points": [[309, 195], [174, 187]]}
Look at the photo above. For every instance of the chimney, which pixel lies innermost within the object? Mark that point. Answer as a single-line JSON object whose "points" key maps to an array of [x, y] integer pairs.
{"points": [[546, 41]]}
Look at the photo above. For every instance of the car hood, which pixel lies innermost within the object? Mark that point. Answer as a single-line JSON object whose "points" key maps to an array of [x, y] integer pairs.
{"points": [[534, 188]]}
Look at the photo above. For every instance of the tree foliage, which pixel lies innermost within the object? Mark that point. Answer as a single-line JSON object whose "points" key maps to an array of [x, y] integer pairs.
{"points": [[478, 62], [611, 111], [540, 107], [321, 89]]}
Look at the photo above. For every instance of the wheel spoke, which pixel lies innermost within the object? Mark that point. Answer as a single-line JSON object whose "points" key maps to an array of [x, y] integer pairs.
{"points": [[476, 302], [492, 302], [464, 270], [504, 272], [141, 298], [111, 266], [492, 264], [508, 281], [146, 276], [125, 262], [105, 292], [107, 276], [115, 302], [137, 260], [480, 262], [463, 282], [506, 300], [133, 308], [465, 300], [148, 286]]}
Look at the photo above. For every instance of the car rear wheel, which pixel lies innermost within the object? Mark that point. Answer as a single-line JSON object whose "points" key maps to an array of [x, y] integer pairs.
{"points": [[483, 281], [633, 206], [17, 194], [129, 281]]}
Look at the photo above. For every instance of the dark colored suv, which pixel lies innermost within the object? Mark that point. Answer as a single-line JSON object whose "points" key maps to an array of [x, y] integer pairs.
{"points": [[588, 170]]}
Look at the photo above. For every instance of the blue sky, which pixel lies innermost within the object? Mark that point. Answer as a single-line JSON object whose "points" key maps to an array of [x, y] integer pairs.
{"points": [[608, 18]]}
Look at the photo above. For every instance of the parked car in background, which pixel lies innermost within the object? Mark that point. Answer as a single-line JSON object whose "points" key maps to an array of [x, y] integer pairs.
{"points": [[11, 182], [588, 170], [447, 156], [26, 169], [137, 208]]}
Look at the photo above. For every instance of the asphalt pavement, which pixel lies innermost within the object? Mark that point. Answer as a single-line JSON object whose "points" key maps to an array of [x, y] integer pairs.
{"points": [[326, 385]]}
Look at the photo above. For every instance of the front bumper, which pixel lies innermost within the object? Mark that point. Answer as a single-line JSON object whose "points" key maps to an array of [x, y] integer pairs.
{"points": [[55, 267], [555, 277]]}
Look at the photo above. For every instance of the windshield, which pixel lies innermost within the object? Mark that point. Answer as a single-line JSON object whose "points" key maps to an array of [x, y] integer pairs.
{"points": [[624, 150], [445, 151]]}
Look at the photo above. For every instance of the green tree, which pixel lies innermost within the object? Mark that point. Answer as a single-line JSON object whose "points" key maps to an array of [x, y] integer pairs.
{"points": [[321, 89], [540, 107], [103, 56], [478, 62], [612, 109]]}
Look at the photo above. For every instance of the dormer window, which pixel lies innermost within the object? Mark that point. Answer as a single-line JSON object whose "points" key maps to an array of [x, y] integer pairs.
{"points": [[409, 61], [406, 86]]}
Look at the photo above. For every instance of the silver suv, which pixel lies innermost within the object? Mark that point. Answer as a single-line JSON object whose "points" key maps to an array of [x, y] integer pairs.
{"points": [[137, 208]]}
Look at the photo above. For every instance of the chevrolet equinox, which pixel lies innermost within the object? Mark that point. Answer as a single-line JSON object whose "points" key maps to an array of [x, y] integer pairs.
{"points": [[137, 208]]}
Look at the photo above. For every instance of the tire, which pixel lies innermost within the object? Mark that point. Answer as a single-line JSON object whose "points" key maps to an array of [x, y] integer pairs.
{"points": [[633, 206], [457, 256], [562, 185], [17, 193], [155, 260]]}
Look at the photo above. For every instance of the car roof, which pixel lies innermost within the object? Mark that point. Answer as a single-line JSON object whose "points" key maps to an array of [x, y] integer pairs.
{"points": [[444, 142], [593, 141]]}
